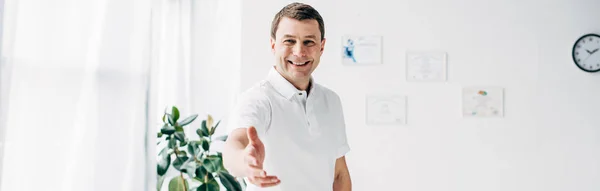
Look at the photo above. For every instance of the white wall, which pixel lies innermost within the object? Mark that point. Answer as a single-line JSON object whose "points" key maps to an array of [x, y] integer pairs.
{"points": [[549, 138]]}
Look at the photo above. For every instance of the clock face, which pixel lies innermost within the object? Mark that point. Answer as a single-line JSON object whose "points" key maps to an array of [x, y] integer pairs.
{"points": [[586, 53]]}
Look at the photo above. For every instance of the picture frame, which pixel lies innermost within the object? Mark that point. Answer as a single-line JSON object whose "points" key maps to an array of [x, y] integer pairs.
{"points": [[386, 109], [426, 66], [483, 101], [362, 50]]}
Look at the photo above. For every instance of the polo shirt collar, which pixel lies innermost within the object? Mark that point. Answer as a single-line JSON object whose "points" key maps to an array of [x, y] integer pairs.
{"points": [[284, 87]]}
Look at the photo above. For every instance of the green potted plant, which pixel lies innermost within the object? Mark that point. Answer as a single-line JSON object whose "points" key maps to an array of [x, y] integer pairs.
{"points": [[199, 168]]}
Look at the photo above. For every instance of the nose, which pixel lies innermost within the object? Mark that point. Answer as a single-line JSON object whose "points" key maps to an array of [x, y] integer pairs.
{"points": [[299, 50]]}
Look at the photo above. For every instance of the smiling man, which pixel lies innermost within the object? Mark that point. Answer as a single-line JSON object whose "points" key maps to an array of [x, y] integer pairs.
{"points": [[287, 132]]}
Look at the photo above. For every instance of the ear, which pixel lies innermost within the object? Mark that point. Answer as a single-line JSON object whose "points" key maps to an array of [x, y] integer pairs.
{"points": [[323, 45], [272, 45]]}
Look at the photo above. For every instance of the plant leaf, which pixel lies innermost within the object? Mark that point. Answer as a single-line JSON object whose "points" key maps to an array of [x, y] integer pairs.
{"points": [[189, 167], [172, 143], [193, 148], [242, 183], [163, 163], [180, 136], [178, 128], [205, 178], [209, 121], [201, 133], [170, 119], [159, 182], [178, 184], [209, 177], [188, 120], [205, 144], [175, 113], [210, 186], [201, 172], [221, 138], [229, 182], [214, 129], [199, 155], [166, 129], [212, 163], [204, 129], [179, 161], [181, 154]]}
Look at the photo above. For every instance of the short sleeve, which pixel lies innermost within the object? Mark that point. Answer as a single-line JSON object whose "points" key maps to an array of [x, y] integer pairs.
{"points": [[342, 146], [251, 109]]}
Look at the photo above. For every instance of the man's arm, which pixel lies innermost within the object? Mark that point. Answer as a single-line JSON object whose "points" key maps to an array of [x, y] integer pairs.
{"points": [[342, 180], [233, 153], [243, 156]]}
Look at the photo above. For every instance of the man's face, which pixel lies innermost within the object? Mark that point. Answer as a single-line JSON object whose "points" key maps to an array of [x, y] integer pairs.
{"points": [[297, 48]]}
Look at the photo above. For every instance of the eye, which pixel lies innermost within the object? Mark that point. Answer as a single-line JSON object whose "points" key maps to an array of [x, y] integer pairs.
{"points": [[309, 43], [289, 41]]}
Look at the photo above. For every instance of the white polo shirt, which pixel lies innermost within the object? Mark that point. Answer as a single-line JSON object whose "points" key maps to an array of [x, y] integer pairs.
{"points": [[303, 135]]}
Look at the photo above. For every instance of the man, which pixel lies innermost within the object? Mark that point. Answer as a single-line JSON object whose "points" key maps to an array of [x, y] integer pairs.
{"points": [[288, 132]]}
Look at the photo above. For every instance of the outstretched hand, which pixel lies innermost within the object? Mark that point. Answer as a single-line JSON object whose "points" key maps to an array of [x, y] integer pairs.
{"points": [[254, 156]]}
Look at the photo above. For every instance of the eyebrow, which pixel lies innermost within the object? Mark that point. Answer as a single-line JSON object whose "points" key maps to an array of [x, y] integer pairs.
{"points": [[292, 36]]}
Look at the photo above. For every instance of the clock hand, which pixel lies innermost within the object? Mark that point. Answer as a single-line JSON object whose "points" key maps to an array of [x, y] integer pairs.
{"points": [[589, 56]]}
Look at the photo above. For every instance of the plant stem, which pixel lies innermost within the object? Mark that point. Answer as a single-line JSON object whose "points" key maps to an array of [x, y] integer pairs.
{"points": [[176, 149], [209, 142], [183, 182], [176, 152]]}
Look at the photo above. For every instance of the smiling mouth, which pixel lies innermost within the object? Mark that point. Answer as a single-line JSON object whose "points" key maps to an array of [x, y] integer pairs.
{"points": [[298, 63]]}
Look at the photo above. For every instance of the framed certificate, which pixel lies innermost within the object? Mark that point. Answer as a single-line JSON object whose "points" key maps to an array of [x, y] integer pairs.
{"points": [[483, 102], [426, 66], [385, 109], [361, 50]]}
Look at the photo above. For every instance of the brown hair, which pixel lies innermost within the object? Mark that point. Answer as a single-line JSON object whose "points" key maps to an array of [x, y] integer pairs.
{"points": [[298, 11]]}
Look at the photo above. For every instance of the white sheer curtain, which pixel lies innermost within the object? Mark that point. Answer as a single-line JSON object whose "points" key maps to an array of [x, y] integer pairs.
{"points": [[83, 84], [76, 93], [196, 50], [170, 63], [171, 54], [3, 89], [217, 56]]}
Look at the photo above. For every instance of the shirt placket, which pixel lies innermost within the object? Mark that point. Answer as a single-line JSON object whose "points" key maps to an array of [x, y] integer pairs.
{"points": [[303, 102], [310, 122]]}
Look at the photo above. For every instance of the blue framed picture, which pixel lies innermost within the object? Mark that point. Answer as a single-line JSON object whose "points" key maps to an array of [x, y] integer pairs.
{"points": [[362, 50]]}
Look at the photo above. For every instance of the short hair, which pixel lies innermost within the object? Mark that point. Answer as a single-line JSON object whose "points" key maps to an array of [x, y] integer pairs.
{"points": [[298, 11]]}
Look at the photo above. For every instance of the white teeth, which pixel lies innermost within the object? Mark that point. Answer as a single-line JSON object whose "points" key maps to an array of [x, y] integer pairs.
{"points": [[299, 63]]}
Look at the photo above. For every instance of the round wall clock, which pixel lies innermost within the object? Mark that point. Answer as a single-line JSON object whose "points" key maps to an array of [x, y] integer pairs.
{"points": [[586, 53]]}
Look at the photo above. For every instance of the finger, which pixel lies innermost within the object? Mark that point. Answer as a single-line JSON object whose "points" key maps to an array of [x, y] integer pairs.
{"points": [[267, 179], [264, 185], [264, 182], [253, 136]]}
